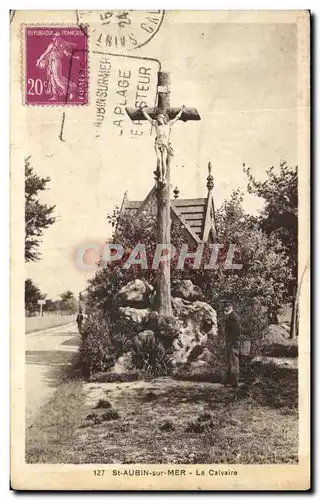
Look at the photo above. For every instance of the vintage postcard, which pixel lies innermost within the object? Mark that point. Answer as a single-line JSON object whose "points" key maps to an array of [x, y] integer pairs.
{"points": [[160, 257]]}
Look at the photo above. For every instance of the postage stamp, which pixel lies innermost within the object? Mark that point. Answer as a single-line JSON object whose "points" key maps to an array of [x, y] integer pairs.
{"points": [[121, 31], [56, 65]]}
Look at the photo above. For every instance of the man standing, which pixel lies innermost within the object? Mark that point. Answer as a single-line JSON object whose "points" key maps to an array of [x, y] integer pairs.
{"points": [[79, 320], [232, 336]]}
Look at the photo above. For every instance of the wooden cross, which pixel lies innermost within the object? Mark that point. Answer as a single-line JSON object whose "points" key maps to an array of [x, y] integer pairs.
{"points": [[163, 285]]}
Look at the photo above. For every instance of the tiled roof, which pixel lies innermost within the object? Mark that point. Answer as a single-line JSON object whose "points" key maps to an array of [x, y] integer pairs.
{"points": [[132, 205], [191, 210]]}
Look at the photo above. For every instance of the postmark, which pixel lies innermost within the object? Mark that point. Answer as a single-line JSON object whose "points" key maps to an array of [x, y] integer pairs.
{"points": [[116, 81], [121, 31], [55, 60]]}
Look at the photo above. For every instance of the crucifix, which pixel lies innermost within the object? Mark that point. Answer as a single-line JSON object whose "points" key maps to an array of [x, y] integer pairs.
{"points": [[162, 118]]}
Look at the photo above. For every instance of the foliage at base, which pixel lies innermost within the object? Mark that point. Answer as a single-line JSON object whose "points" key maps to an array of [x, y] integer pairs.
{"points": [[100, 345], [151, 357]]}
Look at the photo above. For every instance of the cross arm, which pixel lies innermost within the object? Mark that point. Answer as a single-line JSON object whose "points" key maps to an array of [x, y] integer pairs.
{"points": [[187, 114]]}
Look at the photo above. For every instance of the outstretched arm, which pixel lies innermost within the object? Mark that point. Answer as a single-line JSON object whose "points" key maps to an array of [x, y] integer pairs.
{"points": [[147, 117], [44, 54], [178, 116]]}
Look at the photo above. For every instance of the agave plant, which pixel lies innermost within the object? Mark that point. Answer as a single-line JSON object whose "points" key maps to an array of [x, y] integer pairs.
{"points": [[151, 357]]}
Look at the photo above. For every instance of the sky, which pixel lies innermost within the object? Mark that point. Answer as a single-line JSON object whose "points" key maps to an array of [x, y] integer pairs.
{"points": [[241, 77]]}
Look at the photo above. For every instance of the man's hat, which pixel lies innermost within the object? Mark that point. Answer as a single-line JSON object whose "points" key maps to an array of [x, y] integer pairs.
{"points": [[227, 301]]}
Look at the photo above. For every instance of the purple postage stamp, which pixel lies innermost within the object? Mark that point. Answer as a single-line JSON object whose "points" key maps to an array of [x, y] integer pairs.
{"points": [[56, 65]]}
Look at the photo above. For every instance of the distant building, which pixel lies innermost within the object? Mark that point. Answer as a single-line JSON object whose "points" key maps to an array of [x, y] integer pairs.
{"points": [[197, 215]]}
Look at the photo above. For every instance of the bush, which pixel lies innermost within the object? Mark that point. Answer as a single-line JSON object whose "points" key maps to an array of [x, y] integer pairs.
{"points": [[107, 416], [103, 342], [151, 357], [100, 347], [103, 403], [95, 353]]}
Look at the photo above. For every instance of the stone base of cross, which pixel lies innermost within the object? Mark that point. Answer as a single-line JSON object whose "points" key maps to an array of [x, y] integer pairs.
{"points": [[162, 117]]}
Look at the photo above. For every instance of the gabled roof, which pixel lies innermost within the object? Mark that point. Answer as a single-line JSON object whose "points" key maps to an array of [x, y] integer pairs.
{"points": [[193, 212], [197, 215]]}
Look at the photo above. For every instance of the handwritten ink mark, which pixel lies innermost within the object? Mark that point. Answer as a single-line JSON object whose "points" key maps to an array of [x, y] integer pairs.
{"points": [[62, 127]]}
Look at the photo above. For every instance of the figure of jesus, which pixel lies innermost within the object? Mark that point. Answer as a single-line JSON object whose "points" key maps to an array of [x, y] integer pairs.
{"points": [[162, 145]]}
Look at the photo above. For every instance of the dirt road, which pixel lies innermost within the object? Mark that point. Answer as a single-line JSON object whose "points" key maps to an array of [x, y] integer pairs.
{"points": [[48, 355]]}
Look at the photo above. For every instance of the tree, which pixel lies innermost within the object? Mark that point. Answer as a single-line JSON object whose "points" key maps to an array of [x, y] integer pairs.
{"points": [[262, 282], [38, 216], [32, 294], [52, 305], [68, 302], [279, 216]]}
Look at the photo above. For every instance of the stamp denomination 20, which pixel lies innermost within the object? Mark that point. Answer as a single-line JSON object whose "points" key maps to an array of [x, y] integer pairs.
{"points": [[56, 65]]}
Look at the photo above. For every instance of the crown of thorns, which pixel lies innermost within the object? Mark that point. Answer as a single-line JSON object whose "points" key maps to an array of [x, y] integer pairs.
{"points": [[163, 115]]}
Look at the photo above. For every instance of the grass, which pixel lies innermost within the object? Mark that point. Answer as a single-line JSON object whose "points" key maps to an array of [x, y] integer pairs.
{"points": [[50, 437], [165, 421]]}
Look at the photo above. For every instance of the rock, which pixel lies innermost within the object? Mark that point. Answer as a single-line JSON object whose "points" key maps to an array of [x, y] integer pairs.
{"points": [[132, 320], [205, 357], [123, 364], [197, 321], [146, 335], [185, 289], [276, 343], [135, 294], [198, 312], [166, 328], [200, 370]]}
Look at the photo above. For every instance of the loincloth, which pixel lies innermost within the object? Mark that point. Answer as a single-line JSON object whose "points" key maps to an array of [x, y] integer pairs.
{"points": [[163, 146]]}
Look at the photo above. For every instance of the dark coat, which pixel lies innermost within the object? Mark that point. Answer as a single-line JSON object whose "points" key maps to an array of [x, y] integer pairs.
{"points": [[232, 327], [79, 318]]}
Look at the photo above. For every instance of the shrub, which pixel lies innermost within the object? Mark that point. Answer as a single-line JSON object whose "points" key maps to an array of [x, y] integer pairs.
{"points": [[100, 346], [103, 403], [110, 415], [167, 426], [150, 396], [98, 418], [151, 357]]}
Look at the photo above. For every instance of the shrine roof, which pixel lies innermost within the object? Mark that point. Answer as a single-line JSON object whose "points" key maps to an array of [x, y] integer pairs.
{"points": [[191, 211], [197, 215]]}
